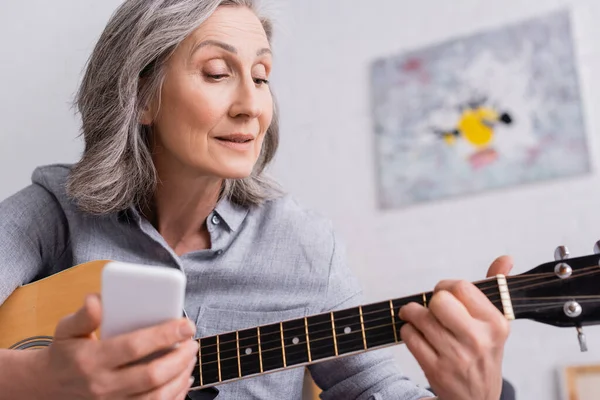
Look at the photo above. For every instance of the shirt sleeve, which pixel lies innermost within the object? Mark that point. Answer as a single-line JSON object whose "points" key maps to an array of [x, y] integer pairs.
{"points": [[33, 236], [372, 375]]}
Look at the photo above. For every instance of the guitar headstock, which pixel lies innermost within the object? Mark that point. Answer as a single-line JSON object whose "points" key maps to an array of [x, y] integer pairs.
{"points": [[564, 292]]}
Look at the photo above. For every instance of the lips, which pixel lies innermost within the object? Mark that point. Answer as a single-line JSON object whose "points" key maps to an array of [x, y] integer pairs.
{"points": [[236, 138]]}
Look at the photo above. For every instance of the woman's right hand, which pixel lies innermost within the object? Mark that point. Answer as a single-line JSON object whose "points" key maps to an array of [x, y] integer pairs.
{"points": [[79, 366]]}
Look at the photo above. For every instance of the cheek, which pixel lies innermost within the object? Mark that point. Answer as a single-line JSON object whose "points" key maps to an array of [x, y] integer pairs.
{"points": [[188, 114], [266, 117]]}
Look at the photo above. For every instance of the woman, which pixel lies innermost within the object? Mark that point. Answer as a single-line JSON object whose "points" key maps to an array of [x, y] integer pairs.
{"points": [[179, 124]]}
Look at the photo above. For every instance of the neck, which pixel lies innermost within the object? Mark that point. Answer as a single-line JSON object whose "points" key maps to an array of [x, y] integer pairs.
{"points": [[181, 204], [248, 352]]}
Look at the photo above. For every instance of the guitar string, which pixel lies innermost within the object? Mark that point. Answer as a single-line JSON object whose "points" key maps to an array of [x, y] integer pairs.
{"points": [[290, 352], [495, 292], [303, 344], [315, 324], [514, 289], [494, 281], [511, 279], [364, 325], [356, 343]]}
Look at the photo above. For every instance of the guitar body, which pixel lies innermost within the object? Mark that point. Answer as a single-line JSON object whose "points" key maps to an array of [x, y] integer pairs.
{"points": [[28, 318]]}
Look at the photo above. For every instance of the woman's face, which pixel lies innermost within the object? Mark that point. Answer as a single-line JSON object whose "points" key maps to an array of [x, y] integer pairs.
{"points": [[215, 105]]}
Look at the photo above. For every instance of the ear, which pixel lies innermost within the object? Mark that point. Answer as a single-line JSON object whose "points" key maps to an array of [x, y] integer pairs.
{"points": [[148, 113], [146, 116]]}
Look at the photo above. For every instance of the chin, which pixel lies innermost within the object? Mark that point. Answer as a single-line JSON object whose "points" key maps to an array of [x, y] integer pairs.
{"points": [[234, 172]]}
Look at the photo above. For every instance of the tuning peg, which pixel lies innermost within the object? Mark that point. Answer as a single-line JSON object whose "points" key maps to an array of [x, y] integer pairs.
{"points": [[597, 247], [582, 340], [562, 253]]}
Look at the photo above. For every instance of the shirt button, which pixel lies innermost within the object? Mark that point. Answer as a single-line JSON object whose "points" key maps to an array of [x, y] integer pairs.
{"points": [[215, 220]]}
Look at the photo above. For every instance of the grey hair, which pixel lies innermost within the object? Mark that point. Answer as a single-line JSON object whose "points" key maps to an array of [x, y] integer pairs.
{"points": [[116, 169]]}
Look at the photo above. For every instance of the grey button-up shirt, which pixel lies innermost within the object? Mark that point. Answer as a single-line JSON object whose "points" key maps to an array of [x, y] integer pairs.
{"points": [[269, 263]]}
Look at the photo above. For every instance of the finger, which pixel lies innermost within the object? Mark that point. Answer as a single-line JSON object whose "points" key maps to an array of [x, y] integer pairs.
{"points": [[142, 378], [501, 265], [182, 395], [171, 390], [476, 303], [429, 327], [452, 314], [130, 347], [419, 347], [83, 322]]}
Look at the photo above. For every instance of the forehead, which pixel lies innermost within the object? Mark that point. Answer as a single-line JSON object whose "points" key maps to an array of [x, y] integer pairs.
{"points": [[236, 25]]}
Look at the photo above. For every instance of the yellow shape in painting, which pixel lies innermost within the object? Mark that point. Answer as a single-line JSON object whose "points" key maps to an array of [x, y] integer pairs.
{"points": [[475, 125], [450, 138]]}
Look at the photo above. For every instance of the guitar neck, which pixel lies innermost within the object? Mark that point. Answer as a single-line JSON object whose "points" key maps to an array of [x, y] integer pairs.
{"points": [[240, 354]]}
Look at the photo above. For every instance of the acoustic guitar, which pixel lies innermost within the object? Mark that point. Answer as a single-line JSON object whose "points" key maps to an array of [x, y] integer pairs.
{"points": [[562, 293]]}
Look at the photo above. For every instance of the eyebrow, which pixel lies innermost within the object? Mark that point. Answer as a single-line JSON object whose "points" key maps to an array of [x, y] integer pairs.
{"points": [[226, 47]]}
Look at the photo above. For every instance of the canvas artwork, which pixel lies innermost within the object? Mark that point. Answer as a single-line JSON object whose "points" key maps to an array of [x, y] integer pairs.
{"points": [[495, 109]]}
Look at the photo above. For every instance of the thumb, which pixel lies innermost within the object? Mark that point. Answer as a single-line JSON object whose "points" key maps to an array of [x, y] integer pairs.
{"points": [[83, 322], [501, 265]]}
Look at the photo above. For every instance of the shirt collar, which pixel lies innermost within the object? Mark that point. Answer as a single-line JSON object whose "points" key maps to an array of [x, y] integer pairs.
{"points": [[232, 214]]}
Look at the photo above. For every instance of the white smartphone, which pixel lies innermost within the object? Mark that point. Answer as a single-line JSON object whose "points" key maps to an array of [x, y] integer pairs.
{"points": [[137, 296]]}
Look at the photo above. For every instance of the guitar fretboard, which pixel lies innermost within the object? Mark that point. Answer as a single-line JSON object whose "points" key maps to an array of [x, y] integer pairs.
{"points": [[292, 343]]}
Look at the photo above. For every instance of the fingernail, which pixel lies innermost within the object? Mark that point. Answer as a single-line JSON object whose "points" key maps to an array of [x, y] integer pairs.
{"points": [[191, 381], [187, 329]]}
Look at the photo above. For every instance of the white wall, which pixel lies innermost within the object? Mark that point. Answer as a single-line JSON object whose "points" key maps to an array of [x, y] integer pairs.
{"points": [[44, 47], [327, 160], [323, 49]]}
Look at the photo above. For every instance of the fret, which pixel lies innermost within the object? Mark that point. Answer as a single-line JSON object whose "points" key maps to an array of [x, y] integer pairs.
{"points": [[379, 327], [307, 339], [249, 352], [399, 303], [259, 348], [486, 284], [271, 347], [282, 344], [394, 321], [197, 371], [427, 299], [208, 360], [322, 344], [362, 327], [348, 330], [295, 342], [196, 375], [228, 356], [200, 362], [333, 333], [237, 345], [219, 358]]}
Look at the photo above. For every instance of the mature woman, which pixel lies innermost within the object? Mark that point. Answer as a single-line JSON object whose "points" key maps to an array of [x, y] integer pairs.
{"points": [[179, 123]]}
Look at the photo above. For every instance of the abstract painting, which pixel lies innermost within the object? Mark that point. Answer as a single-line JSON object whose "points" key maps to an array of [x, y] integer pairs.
{"points": [[491, 110]]}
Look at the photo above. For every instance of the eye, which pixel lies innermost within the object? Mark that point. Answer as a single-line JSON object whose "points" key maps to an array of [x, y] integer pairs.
{"points": [[217, 77], [260, 81]]}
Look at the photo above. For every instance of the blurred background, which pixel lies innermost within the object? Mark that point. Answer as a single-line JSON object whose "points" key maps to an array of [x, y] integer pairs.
{"points": [[333, 155]]}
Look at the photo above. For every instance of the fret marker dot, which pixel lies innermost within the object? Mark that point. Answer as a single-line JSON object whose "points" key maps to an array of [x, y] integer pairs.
{"points": [[347, 329], [295, 340], [248, 351]]}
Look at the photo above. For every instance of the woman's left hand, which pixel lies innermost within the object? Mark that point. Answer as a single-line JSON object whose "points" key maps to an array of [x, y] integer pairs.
{"points": [[459, 339]]}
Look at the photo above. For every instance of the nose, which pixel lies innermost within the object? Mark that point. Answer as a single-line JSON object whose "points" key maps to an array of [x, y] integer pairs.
{"points": [[246, 102]]}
